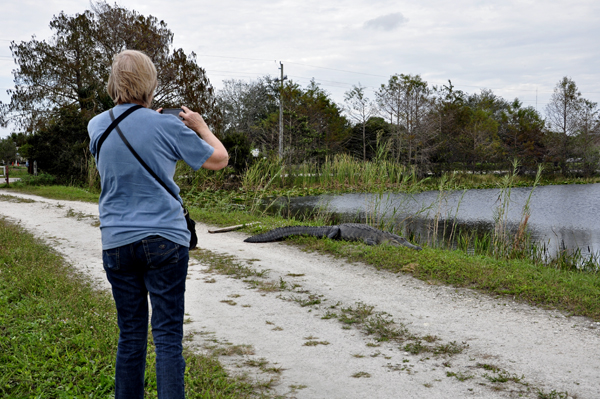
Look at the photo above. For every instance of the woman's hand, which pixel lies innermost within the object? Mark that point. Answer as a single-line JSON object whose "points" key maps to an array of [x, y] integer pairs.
{"points": [[193, 120]]}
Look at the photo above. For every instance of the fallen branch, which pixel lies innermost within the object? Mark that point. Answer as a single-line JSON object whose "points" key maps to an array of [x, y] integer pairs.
{"points": [[231, 228]]}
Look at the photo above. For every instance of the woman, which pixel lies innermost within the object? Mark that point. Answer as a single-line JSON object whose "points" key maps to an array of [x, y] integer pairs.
{"points": [[145, 238]]}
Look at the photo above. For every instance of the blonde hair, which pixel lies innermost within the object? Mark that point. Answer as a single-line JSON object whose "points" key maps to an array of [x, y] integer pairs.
{"points": [[132, 78]]}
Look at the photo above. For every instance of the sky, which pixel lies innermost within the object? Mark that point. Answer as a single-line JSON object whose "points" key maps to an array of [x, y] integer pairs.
{"points": [[517, 48]]}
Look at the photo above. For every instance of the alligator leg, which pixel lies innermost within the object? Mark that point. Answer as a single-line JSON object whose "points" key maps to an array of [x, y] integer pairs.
{"points": [[334, 232]]}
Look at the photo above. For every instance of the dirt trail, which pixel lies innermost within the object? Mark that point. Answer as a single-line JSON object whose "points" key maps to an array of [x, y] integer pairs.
{"points": [[288, 335]]}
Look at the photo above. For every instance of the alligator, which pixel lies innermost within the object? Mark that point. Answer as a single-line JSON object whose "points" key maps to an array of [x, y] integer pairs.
{"points": [[344, 231]]}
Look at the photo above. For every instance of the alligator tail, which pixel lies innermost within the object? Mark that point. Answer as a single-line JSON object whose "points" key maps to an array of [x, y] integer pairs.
{"points": [[283, 232]]}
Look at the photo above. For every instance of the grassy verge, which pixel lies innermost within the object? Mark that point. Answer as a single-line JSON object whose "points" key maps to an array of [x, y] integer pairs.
{"points": [[68, 193], [58, 335], [569, 290], [16, 171]]}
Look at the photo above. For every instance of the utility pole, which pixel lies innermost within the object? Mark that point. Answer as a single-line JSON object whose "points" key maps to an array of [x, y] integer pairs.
{"points": [[281, 110]]}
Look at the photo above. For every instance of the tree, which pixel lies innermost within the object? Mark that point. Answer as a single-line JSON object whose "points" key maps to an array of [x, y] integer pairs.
{"points": [[407, 100], [562, 116], [183, 82], [523, 136], [377, 133], [563, 109], [70, 70], [51, 75], [244, 104], [451, 115], [479, 140], [389, 101], [313, 125], [361, 109], [8, 150], [239, 149], [325, 120], [61, 146], [180, 79], [587, 139]]}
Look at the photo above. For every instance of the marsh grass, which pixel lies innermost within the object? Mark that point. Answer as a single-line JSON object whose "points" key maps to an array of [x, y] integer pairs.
{"points": [[507, 240], [338, 173], [267, 181], [58, 334]]}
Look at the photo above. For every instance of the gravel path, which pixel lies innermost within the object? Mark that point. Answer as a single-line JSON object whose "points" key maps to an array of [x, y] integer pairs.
{"points": [[286, 334]]}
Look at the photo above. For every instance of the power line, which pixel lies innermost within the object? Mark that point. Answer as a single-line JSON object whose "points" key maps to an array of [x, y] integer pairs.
{"points": [[234, 72], [322, 80], [371, 74], [339, 70], [376, 75], [235, 58]]}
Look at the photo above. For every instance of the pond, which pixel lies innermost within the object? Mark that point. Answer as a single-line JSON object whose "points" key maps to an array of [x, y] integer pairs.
{"points": [[562, 216]]}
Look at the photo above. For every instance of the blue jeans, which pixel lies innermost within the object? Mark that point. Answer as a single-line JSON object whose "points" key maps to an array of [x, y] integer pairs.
{"points": [[158, 267]]}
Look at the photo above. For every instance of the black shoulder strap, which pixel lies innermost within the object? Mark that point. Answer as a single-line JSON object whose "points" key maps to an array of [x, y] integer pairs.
{"points": [[141, 161], [112, 126]]}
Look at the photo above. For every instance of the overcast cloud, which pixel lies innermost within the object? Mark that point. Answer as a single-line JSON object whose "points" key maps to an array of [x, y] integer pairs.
{"points": [[386, 22], [516, 48]]}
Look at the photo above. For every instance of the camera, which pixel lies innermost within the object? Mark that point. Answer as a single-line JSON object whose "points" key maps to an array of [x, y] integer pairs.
{"points": [[172, 111]]}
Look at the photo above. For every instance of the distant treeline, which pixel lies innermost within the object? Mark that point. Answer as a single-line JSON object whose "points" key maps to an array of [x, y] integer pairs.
{"points": [[432, 129]]}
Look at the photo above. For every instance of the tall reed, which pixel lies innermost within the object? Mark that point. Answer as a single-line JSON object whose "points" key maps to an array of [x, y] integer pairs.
{"points": [[521, 240], [341, 172], [501, 232], [93, 177]]}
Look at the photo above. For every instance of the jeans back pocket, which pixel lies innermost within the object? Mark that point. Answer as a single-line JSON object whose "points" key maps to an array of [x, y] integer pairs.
{"points": [[160, 252], [110, 259]]}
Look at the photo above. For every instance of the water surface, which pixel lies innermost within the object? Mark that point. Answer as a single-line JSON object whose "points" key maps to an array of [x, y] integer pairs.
{"points": [[561, 216]]}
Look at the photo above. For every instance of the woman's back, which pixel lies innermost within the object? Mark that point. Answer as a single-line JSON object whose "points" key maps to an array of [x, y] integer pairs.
{"points": [[133, 204]]}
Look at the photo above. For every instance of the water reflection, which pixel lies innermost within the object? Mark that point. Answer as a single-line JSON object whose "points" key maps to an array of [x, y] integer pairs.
{"points": [[562, 216]]}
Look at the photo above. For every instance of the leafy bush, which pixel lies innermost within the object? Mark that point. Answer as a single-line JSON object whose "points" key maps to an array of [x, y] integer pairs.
{"points": [[238, 147], [61, 147], [42, 179]]}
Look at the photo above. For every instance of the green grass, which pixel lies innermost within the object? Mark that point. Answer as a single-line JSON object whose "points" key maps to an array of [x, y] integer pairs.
{"points": [[16, 171], [571, 291], [68, 193], [58, 334]]}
